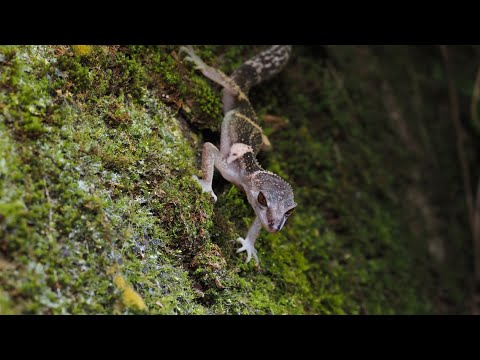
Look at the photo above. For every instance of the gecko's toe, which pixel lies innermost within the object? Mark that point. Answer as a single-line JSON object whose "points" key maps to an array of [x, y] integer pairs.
{"points": [[188, 49], [249, 248], [192, 57], [213, 196], [205, 187], [241, 241]]}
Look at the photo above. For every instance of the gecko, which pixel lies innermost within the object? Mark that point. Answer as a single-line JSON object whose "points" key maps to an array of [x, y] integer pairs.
{"points": [[241, 139]]}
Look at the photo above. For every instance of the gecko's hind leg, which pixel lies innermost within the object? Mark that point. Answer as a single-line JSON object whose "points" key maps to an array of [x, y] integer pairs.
{"points": [[213, 74]]}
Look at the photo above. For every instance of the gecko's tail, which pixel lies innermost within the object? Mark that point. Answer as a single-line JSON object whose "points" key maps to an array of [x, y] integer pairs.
{"points": [[262, 66]]}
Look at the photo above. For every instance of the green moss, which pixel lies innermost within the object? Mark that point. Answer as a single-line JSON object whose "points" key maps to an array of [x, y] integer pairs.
{"points": [[81, 191], [106, 71]]}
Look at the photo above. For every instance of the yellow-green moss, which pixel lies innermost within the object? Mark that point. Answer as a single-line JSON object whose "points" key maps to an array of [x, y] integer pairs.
{"points": [[129, 295], [82, 50]]}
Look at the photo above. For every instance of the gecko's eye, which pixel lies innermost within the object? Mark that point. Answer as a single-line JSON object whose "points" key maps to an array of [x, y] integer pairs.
{"points": [[261, 199], [289, 212]]}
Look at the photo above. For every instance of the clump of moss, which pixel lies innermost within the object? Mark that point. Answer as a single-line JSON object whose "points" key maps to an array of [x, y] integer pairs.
{"points": [[209, 264], [130, 297], [104, 72], [82, 50]]}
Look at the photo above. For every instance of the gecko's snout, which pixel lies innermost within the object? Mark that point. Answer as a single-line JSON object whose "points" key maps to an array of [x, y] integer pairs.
{"points": [[272, 228]]}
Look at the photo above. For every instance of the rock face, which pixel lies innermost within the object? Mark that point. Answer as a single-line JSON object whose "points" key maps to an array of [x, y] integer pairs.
{"points": [[99, 213]]}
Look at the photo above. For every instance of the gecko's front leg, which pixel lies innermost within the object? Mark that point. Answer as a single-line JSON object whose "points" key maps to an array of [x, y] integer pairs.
{"points": [[248, 244], [211, 157]]}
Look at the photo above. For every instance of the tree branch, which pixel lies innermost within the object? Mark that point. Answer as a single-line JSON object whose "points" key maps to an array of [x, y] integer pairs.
{"points": [[455, 115], [473, 211], [475, 98]]}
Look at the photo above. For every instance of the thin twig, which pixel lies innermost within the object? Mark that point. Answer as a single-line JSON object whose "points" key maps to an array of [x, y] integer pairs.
{"points": [[424, 134], [476, 233], [473, 212], [398, 120], [49, 200], [474, 103], [455, 115]]}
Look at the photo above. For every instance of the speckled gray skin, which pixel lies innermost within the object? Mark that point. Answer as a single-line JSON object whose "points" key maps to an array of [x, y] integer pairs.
{"points": [[241, 139]]}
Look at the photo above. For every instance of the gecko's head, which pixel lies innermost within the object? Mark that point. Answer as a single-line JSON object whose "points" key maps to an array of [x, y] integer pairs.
{"points": [[272, 199]]}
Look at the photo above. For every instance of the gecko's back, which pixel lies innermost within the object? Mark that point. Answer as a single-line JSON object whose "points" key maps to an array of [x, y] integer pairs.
{"points": [[241, 120]]}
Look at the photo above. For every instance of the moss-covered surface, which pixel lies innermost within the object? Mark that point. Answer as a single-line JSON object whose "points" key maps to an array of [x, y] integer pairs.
{"points": [[99, 214]]}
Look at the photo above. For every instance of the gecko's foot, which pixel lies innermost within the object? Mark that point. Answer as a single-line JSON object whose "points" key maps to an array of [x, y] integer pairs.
{"points": [[249, 247], [205, 187], [192, 57]]}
